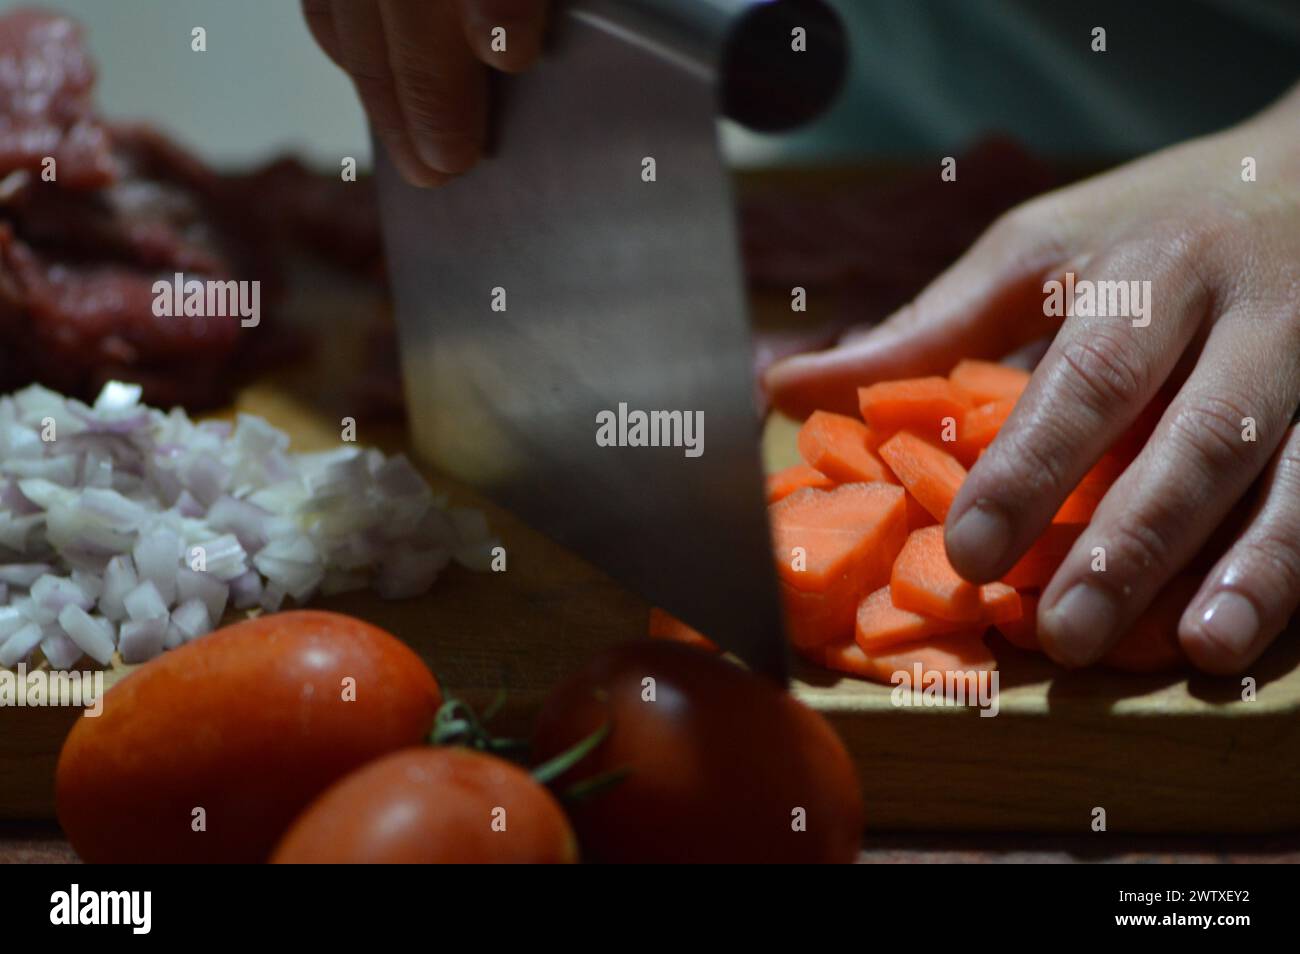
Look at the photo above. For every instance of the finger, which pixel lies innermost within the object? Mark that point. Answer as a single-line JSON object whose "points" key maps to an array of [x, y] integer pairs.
{"points": [[1195, 468], [441, 88], [506, 34], [1250, 594], [320, 22], [363, 47], [987, 304], [1096, 377]]}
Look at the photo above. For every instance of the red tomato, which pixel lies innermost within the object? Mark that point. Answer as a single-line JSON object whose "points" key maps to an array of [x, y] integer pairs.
{"points": [[233, 734], [722, 766], [432, 806]]}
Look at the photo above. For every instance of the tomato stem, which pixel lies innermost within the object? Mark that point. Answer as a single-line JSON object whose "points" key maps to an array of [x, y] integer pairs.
{"points": [[548, 771]]}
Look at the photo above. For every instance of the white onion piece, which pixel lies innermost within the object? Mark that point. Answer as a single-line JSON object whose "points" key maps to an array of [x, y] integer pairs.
{"points": [[59, 648], [23, 574], [223, 557], [145, 602], [205, 587], [89, 583], [192, 619], [246, 521], [92, 635], [119, 579], [20, 644], [12, 619], [157, 558], [174, 637], [116, 397], [51, 593], [141, 640], [246, 590], [272, 597]]}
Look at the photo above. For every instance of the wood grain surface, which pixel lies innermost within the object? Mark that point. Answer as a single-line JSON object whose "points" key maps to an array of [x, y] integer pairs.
{"points": [[1157, 753]]}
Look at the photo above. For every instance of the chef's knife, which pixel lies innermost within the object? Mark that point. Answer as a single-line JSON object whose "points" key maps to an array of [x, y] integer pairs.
{"points": [[586, 274]]}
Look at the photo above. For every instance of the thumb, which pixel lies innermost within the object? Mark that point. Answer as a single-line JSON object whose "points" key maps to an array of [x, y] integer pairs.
{"points": [[986, 305]]}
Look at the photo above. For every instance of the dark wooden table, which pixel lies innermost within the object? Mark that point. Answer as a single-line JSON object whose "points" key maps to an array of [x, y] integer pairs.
{"points": [[43, 843]]}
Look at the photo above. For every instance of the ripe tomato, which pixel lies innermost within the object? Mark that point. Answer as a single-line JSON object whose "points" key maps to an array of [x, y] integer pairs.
{"points": [[432, 806], [721, 765], [209, 751]]}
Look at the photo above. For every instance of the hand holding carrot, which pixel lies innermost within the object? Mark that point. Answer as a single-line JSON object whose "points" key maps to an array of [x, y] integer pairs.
{"points": [[420, 69], [1222, 334]]}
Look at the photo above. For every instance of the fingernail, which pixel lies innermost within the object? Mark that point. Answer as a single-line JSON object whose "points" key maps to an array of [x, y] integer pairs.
{"points": [[450, 155], [1231, 621], [980, 536], [1079, 626]]}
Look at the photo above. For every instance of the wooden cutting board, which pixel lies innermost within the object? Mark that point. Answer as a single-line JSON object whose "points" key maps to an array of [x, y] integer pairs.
{"points": [[1157, 753]]}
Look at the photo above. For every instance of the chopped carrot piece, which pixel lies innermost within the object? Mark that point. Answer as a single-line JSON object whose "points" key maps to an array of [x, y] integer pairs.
{"points": [[930, 475], [1041, 560], [1151, 645], [978, 428], [832, 546], [986, 381], [938, 656], [923, 580], [999, 604], [881, 623], [785, 482], [917, 516], [1083, 500], [925, 406], [1023, 632], [837, 446], [846, 656], [664, 625], [962, 655]]}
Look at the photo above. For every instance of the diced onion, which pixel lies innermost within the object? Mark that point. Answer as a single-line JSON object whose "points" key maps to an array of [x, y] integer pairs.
{"points": [[146, 519]]}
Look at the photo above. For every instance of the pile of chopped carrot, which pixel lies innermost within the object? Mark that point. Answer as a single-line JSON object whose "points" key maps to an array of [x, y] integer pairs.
{"points": [[857, 536]]}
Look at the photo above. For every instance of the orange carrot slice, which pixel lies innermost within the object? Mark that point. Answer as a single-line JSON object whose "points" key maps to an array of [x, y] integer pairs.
{"points": [[1023, 631], [961, 655], [985, 381], [881, 623], [837, 446], [999, 604], [1151, 645], [1083, 500], [1035, 568], [937, 655], [843, 656], [925, 406], [923, 580], [664, 625], [930, 475], [785, 482], [917, 516], [832, 546], [978, 428]]}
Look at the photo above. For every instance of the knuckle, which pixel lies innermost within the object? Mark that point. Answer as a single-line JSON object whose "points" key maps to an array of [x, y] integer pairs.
{"points": [[1038, 464], [1208, 433], [1105, 378], [428, 104], [1029, 225], [1275, 555], [1140, 547], [374, 84]]}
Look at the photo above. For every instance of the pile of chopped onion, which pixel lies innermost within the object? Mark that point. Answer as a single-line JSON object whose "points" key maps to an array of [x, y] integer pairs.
{"points": [[126, 529]]}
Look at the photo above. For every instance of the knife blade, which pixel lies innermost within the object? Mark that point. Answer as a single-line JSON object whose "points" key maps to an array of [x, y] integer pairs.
{"points": [[572, 323]]}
